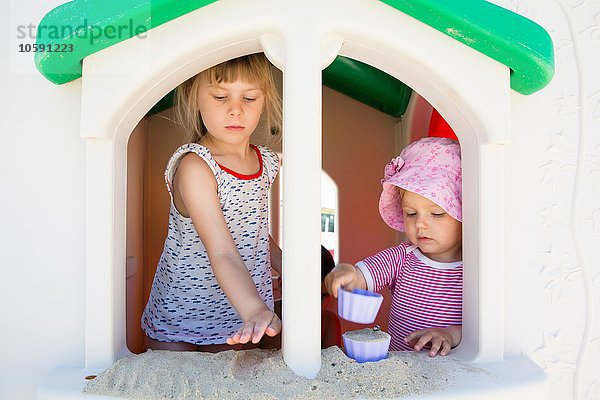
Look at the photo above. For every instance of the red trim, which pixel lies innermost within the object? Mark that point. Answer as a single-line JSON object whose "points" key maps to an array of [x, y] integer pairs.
{"points": [[439, 127], [242, 176]]}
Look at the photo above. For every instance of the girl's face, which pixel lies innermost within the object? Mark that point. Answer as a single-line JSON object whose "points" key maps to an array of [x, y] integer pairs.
{"points": [[427, 225], [230, 110]]}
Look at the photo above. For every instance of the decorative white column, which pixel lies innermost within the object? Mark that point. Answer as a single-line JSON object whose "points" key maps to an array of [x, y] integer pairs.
{"points": [[301, 275], [100, 281], [491, 253]]}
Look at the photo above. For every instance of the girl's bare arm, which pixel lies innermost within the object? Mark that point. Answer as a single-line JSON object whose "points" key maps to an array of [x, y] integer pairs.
{"points": [[197, 187]]}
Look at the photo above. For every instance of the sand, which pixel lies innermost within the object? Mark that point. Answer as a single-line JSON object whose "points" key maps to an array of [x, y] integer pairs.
{"points": [[262, 374], [367, 335]]}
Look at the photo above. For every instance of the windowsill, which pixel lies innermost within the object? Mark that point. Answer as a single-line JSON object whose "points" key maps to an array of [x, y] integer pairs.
{"points": [[509, 379]]}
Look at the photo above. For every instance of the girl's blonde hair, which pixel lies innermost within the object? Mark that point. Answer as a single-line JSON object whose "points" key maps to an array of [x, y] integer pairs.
{"points": [[253, 68]]}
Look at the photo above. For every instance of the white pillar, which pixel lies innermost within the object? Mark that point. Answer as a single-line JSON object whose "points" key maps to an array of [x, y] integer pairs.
{"points": [[491, 253], [99, 299], [301, 275]]}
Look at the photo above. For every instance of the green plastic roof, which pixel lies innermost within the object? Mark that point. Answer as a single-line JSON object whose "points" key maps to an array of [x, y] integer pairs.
{"points": [[515, 41], [509, 38], [79, 22]]}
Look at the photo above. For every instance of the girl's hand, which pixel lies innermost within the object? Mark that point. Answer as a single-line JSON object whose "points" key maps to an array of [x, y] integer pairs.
{"points": [[346, 276], [441, 339], [259, 324]]}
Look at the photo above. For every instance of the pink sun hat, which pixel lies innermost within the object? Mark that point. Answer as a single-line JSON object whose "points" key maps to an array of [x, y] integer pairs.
{"points": [[429, 167]]}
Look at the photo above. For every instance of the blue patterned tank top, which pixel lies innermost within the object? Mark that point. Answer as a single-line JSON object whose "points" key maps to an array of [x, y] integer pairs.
{"points": [[186, 303]]}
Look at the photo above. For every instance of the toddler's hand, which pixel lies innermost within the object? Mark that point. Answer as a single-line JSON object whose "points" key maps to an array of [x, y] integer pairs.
{"points": [[343, 275], [259, 324], [441, 339]]}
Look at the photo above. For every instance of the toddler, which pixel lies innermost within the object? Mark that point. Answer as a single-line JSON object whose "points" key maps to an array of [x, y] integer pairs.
{"points": [[422, 196]]}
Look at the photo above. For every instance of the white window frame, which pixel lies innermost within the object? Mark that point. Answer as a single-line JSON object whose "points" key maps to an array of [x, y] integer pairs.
{"points": [[470, 90]]}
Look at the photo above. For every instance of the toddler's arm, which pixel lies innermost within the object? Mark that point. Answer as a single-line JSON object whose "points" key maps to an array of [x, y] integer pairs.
{"points": [[346, 276], [197, 189], [441, 339]]}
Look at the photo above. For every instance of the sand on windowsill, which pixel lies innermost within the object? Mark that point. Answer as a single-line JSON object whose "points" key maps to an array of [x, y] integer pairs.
{"points": [[262, 374], [368, 335]]}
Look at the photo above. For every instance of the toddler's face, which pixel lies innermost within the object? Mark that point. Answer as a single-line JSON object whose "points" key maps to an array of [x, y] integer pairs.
{"points": [[230, 110], [427, 225]]}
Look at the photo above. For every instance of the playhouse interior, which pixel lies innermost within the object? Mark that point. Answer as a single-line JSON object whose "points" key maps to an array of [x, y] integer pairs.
{"points": [[358, 140]]}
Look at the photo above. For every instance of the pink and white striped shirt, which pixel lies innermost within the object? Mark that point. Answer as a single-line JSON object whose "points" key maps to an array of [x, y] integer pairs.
{"points": [[425, 293]]}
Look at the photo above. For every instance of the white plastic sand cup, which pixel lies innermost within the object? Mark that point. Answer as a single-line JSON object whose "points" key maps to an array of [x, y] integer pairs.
{"points": [[360, 306], [367, 345]]}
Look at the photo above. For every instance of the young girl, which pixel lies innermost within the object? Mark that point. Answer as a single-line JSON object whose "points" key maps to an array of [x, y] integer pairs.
{"points": [[421, 196], [213, 281]]}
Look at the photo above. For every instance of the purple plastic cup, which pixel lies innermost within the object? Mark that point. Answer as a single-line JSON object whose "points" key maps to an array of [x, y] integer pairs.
{"points": [[360, 306], [366, 345]]}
